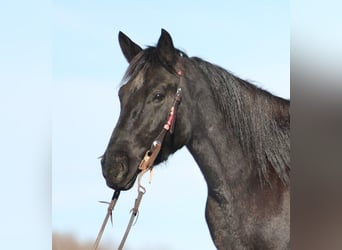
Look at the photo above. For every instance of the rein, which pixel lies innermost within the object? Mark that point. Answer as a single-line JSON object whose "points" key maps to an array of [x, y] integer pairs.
{"points": [[145, 165]]}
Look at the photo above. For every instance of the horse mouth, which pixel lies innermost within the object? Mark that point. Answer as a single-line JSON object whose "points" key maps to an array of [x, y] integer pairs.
{"points": [[124, 185], [131, 181]]}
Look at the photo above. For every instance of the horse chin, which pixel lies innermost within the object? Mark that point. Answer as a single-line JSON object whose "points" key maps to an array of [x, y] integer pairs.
{"points": [[125, 185]]}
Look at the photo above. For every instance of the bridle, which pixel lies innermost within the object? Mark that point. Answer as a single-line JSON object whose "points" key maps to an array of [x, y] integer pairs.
{"points": [[145, 165]]}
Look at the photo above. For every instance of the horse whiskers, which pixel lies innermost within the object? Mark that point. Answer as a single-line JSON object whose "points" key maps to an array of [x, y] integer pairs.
{"points": [[100, 157]]}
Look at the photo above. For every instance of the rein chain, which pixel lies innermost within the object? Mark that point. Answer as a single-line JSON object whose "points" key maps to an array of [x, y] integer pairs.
{"points": [[145, 165]]}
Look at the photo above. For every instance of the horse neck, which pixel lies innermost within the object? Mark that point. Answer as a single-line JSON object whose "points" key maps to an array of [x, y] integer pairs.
{"points": [[217, 151], [235, 194], [234, 120]]}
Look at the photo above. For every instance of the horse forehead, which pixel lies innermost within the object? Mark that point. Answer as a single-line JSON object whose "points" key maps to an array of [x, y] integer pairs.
{"points": [[143, 79], [136, 83]]}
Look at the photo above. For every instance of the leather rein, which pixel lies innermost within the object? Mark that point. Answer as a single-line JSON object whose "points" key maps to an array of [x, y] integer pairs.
{"points": [[145, 165]]}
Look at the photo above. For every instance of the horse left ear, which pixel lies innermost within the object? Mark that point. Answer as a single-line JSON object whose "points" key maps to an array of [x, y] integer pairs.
{"points": [[165, 48], [128, 47]]}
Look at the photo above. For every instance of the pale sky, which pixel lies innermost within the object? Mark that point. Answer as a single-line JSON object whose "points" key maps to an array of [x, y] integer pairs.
{"points": [[249, 38]]}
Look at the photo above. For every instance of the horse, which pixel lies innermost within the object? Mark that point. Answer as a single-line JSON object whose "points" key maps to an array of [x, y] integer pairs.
{"points": [[238, 134]]}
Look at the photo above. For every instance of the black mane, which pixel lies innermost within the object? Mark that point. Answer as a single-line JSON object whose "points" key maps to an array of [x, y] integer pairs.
{"points": [[260, 120]]}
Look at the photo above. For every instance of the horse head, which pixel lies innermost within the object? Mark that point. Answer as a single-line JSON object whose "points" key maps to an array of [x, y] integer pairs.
{"points": [[146, 95]]}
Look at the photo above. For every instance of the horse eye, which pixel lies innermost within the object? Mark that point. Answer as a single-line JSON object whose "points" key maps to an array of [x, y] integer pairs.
{"points": [[158, 97]]}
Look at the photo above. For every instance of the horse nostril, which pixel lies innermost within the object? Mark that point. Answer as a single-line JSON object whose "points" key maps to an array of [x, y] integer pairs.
{"points": [[122, 169], [115, 166], [118, 171]]}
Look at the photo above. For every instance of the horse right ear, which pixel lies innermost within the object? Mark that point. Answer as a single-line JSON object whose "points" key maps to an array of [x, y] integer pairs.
{"points": [[165, 48], [128, 47]]}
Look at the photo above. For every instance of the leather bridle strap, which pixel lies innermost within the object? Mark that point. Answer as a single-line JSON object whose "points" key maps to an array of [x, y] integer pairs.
{"points": [[152, 153], [149, 158]]}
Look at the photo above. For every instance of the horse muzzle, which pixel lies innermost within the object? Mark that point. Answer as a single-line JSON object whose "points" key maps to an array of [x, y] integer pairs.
{"points": [[116, 171]]}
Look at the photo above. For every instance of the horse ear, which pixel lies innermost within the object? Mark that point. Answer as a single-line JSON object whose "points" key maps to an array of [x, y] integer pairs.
{"points": [[128, 47], [165, 48]]}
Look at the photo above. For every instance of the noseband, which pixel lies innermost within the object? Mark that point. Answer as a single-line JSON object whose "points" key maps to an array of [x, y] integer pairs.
{"points": [[145, 165]]}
